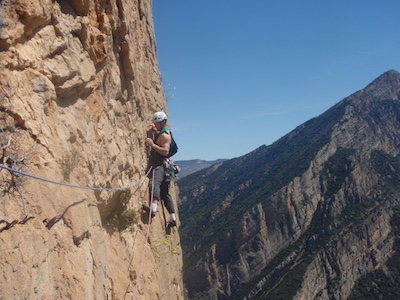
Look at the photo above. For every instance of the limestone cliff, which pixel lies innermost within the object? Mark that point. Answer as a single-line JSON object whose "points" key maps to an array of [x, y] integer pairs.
{"points": [[312, 216], [79, 81]]}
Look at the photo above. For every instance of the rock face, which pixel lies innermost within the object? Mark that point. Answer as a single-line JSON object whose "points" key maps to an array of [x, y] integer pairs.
{"points": [[79, 81], [312, 216]]}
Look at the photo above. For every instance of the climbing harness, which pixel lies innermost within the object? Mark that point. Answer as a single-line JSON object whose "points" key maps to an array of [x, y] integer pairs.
{"points": [[73, 185], [171, 169]]}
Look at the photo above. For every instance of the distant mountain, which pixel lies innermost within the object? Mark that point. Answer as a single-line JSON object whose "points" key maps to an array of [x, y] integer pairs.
{"points": [[315, 215], [191, 166]]}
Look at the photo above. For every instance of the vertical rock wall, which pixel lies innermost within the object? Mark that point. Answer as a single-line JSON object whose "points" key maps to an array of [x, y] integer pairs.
{"points": [[79, 81]]}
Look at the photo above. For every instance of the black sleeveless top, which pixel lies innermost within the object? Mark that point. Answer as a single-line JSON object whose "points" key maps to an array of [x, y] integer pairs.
{"points": [[156, 159]]}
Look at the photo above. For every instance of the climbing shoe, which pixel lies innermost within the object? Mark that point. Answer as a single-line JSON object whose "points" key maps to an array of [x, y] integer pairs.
{"points": [[172, 220], [152, 209], [172, 223]]}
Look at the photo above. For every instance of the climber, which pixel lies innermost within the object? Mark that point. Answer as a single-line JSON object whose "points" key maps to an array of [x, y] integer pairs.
{"points": [[160, 148]]}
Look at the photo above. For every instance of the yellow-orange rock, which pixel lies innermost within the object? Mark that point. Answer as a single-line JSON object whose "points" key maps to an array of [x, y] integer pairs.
{"points": [[79, 81]]}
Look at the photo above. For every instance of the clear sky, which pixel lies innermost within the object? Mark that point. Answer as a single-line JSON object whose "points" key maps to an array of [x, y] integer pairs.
{"points": [[247, 72]]}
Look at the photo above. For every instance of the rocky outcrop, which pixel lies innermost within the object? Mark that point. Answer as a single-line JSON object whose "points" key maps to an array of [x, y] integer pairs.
{"points": [[79, 81], [308, 217]]}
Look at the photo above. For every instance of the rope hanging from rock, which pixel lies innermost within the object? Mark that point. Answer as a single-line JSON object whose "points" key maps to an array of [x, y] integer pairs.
{"points": [[145, 244], [73, 185]]}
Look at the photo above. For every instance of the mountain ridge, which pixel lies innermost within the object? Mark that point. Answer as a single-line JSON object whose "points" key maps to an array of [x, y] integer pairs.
{"points": [[321, 168], [193, 165]]}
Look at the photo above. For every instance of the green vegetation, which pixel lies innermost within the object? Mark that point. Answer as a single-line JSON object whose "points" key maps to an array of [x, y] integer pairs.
{"points": [[122, 217], [388, 167], [336, 170], [385, 112], [379, 284], [323, 231], [13, 154], [376, 285], [165, 246], [68, 164], [267, 168]]}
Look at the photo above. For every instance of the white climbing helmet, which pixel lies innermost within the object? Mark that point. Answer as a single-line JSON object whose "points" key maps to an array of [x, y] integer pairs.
{"points": [[159, 116]]}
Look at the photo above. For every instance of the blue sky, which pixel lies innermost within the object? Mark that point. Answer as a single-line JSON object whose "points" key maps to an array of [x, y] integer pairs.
{"points": [[248, 72]]}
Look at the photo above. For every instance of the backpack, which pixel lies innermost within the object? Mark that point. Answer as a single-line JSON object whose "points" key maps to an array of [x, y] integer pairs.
{"points": [[173, 148]]}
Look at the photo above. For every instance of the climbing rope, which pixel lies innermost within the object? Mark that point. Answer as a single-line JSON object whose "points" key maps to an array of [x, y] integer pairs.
{"points": [[146, 242], [73, 185], [101, 189]]}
